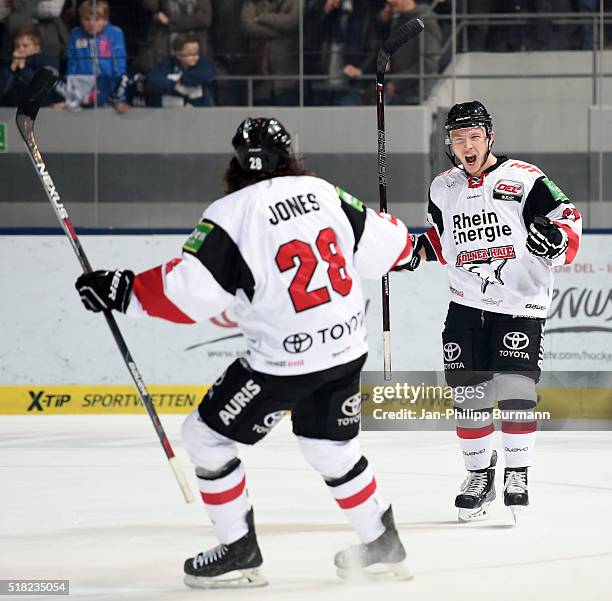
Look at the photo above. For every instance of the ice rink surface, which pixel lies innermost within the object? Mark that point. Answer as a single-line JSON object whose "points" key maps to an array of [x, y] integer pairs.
{"points": [[92, 499]]}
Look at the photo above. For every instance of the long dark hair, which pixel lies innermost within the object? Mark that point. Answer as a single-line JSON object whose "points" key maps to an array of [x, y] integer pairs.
{"points": [[237, 178]]}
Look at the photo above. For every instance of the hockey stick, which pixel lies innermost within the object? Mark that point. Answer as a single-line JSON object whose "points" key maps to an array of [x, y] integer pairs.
{"points": [[42, 83], [398, 38]]}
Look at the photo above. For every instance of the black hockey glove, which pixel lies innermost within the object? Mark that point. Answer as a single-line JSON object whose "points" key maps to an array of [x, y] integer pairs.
{"points": [[415, 260], [545, 239], [103, 290]]}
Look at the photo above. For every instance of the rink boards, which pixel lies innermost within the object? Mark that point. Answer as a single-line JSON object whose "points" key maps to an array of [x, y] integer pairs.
{"points": [[57, 358]]}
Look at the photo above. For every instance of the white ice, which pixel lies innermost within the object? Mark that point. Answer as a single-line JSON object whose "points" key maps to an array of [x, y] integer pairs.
{"points": [[91, 499]]}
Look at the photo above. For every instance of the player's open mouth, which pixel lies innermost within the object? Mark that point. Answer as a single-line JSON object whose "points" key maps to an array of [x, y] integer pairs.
{"points": [[471, 160]]}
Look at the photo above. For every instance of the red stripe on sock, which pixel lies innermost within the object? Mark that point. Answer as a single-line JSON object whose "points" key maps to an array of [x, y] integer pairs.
{"points": [[519, 427], [358, 498], [475, 432], [218, 498]]}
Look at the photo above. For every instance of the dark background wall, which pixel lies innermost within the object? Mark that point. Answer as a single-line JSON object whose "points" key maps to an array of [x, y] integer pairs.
{"points": [[161, 167]]}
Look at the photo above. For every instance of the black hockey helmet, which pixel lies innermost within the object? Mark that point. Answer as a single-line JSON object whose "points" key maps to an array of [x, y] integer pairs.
{"points": [[469, 114], [261, 144]]}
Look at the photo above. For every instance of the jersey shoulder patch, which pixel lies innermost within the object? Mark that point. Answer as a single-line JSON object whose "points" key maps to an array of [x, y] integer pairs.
{"points": [[556, 192], [193, 244], [350, 200]]}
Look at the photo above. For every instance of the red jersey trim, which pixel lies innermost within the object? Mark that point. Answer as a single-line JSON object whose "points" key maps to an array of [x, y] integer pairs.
{"points": [[572, 241], [434, 240], [149, 290], [405, 252]]}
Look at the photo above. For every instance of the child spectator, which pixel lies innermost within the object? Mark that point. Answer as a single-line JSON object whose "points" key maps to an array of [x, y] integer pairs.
{"points": [[168, 19], [109, 53], [27, 59], [44, 16], [183, 78]]}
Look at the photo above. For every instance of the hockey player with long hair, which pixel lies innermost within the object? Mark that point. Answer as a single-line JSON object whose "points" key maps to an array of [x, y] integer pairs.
{"points": [[499, 226], [287, 250]]}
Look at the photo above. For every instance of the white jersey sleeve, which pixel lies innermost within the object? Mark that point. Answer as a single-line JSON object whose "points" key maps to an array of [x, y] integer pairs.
{"points": [[196, 287], [382, 241], [385, 244], [546, 198]]}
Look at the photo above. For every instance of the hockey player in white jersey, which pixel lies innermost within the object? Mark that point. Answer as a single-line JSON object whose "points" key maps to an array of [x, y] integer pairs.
{"points": [[288, 251], [499, 226]]}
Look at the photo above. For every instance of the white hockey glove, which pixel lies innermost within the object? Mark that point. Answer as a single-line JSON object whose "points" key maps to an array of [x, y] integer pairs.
{"points": [[105, 290], [545, 239]]}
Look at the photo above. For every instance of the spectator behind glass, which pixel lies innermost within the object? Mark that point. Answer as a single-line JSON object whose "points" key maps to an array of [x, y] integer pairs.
{"points": [[272, 30], [168, 19], [182, 79], [5, 11], [27, 59], [134, 21], [111, 59], [227, 41], [406, 61], [337, 34], [586, 6], [43, 16]]}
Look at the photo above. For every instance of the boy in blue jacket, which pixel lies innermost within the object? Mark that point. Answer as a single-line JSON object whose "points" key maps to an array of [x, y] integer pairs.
{"points": [[185, 78], [111, 57]]}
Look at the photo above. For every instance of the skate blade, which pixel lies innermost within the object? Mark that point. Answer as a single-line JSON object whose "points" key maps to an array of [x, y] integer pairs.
{"points": [[236, 579], [516, 511], [376, 572], [475, 515]]}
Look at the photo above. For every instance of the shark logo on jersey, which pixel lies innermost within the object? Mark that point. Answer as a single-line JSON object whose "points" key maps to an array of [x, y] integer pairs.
{"points": [[486, 263], [488, 271]]}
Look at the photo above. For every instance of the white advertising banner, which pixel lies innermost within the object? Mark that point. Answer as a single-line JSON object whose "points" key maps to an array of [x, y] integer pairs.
{"points": [[48, 338]]}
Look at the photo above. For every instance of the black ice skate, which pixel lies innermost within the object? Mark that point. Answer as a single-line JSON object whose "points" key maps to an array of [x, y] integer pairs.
{"points": [[516, 495], [228, 566], [477, 493], [380, 559]]}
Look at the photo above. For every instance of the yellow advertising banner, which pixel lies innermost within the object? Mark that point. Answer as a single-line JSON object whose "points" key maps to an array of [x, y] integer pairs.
{"points": [[562, 403], [96, 399]]}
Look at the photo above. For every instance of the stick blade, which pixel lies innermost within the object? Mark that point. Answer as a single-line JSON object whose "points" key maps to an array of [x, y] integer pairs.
{"points": [[39, 87], [402, 35]]}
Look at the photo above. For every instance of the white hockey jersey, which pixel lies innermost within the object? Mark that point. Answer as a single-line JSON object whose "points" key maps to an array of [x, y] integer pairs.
{"points": [[479, 231], [288, 254]]}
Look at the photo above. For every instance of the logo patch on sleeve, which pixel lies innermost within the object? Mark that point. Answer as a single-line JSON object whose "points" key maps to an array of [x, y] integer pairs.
{"points": [[197, 237], [350, 200], [556, 192], [506, 189]]}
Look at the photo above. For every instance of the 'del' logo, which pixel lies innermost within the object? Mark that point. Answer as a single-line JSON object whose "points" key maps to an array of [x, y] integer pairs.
{"points": [[506, 189]]}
